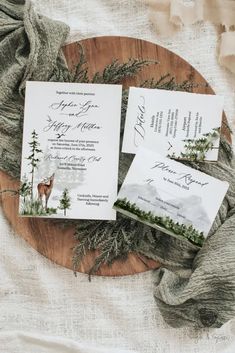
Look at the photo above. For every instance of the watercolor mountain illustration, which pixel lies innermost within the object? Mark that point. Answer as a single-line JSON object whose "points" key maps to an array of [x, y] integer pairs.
{"points": [[179, 216], [147, 198]]}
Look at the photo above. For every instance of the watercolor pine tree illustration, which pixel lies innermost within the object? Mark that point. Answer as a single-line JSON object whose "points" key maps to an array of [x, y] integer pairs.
{"points": [[31, 205], [25, 188], [176, 228], [65, 201], [196, 149], [33, 159]]}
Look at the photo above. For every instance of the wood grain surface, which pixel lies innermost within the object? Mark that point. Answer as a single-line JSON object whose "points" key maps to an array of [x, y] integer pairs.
{"points": [[53, 241]]}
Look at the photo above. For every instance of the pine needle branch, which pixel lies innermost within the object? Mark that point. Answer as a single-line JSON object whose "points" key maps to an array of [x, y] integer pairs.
{"points": [[80, 71], [169, 82], [116, 72], [114, 240], [227, 126]]}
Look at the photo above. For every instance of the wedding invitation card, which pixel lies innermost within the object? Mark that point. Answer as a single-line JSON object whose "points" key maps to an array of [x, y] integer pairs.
{"points": [[170, 196], [70, 150], [176, 124]]}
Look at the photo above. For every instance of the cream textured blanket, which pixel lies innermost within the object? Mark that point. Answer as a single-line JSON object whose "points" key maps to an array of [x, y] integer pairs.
{"points": [[170, 15], [162, 290]]}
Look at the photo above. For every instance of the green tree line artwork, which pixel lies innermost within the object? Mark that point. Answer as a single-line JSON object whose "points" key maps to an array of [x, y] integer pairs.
{"points": [[196, 149], [188, 232], [36, 204]]}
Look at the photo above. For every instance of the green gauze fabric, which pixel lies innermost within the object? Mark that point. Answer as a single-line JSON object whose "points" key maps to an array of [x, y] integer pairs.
{"points": [[30, 49], [197, 288], [194, 287]]}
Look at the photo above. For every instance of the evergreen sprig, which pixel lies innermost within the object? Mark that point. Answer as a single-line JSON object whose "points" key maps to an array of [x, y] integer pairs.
{"points": [[169, 82], [113, 73], [114, 240], [80, 71], [116, 72]]}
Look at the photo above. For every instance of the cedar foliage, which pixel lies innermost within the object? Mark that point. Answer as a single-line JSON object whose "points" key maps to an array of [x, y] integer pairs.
{"points": [[115, 239]]}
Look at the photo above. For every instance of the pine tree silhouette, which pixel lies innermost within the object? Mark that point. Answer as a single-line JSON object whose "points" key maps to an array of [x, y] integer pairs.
{"points": [[65, 201], [34, 146]]}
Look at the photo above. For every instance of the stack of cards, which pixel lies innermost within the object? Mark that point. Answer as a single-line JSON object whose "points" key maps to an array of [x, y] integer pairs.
{"points": [[157, 190], [71, 148]]}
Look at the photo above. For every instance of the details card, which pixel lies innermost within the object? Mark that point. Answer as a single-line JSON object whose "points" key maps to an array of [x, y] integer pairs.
{"points": [[70, 150], [170, 196], [176, 124]]}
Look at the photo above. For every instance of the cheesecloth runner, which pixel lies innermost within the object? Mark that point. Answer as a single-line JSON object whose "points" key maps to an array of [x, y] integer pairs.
{"points": [[201, 296], [170, 15], [29, 49]]}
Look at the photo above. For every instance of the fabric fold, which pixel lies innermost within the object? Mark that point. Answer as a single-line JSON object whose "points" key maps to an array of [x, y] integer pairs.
{"points": [[170, 15], [188, 290], [28, 342], [30, 49], [197, 287]]}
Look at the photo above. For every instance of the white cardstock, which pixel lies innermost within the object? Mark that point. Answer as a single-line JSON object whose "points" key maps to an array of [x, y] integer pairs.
{"points": [[70, 150], [156, 186], [166, 121]]}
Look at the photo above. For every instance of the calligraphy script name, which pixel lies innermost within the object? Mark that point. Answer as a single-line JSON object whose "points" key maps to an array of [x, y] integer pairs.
{"points": [[187, 178], [72, 109], [62, 127]]}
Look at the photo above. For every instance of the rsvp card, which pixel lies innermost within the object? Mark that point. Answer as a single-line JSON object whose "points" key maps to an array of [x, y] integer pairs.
{"points": [[70, 150], [176, 124], [170, 196]]}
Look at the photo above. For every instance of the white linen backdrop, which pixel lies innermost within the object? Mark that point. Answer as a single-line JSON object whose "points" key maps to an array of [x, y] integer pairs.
{"points": [[43, 307]]}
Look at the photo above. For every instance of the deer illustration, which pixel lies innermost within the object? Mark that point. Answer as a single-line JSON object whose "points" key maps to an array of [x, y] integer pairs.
{"points": [[45, 188]]}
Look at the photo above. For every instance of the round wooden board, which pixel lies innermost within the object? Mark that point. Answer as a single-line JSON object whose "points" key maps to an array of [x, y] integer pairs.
{"points": [[44, 236]]}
